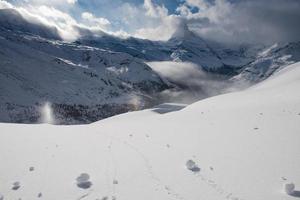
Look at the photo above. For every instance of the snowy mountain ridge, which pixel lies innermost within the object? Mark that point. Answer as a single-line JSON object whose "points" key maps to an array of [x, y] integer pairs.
{"points": [[35, 70], [97, 77]]}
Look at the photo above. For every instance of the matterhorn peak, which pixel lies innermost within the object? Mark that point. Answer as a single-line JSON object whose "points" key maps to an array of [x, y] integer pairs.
{"points": [[183, 32]]}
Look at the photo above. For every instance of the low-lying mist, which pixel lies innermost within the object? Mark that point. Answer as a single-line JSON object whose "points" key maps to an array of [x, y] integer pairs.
{"points": [[191, 82]]}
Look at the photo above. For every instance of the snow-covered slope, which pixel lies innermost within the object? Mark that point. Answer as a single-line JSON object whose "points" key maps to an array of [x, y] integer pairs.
{"points": [[238, 146], [268, 61]]}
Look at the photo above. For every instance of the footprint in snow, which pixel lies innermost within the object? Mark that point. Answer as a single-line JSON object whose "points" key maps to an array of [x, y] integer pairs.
{"points": [[16, 185], [31, 169], [289, 188], [39, 195], [83, 181], [192, 166], [283, 178]]}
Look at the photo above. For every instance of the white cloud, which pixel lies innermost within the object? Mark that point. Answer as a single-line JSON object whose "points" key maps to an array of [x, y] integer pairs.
{"points": [[218, 20], [5, 5], [163, 31], [71, 1], [155, 11], [51, 2], [159, 26], [92, 20], [50, 16], [68, 28], [197, 84]]}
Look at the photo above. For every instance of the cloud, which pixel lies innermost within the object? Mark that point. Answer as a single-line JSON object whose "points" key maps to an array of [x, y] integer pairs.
{"points": [[166, 28], [184, 73], [160, 24], [255, 21], [154, 10], [89, 18], [201, 4], [50, 16], [194, 83], [68, 28], [5, 5], [227, 21], [51, 3], [71, 1]]}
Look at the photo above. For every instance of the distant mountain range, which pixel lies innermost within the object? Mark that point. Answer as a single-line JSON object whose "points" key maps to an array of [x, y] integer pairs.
{"points": [[97, 77]]}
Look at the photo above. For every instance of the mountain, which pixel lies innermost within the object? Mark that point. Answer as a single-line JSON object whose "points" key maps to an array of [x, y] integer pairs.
{"points": [[183, 46], [242, 145], [100, 76], [268, 61], [186, 46], [12, 21], [84, 84]]}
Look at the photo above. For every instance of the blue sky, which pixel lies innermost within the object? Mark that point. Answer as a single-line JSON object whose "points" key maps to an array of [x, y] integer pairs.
{"points": [[110, 9], [102, 6]]}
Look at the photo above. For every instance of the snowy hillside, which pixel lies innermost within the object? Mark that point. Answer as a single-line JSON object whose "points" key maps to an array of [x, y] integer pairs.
{"points": [[84, 84], [268, 61], [238, 146]]}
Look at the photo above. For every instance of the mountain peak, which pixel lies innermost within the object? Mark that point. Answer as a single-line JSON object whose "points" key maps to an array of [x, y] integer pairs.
{"points": [[183, 33]]}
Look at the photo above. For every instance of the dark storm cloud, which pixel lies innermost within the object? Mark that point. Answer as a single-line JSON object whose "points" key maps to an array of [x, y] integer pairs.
{"points": [[248, 21]]}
